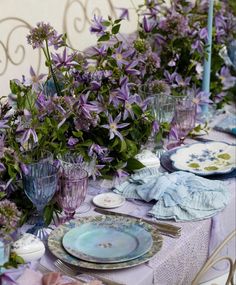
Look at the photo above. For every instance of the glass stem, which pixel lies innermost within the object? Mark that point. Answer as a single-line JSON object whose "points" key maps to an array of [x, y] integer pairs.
{"points": [[40, 219]]}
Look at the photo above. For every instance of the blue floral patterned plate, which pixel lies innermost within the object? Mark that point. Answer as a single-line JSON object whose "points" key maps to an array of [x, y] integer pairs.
{"points": [[106, 242], [209, 158]]}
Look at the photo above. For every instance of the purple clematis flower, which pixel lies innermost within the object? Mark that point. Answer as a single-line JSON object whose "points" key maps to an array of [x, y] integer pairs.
{"points": [[121, 56], [124, 13], [72, 141], [102, 51], [63, 60], [155, 127], [3, 124], [113, 127], [173, 134], [203, 34], [148, 24], [170, 78], [123, 94], [130, 68], [87, 107], [26, 135], [198, 46], [226, 78], [182, 82], [97, 26], [199, 98], [34, 81], [2, 167]]}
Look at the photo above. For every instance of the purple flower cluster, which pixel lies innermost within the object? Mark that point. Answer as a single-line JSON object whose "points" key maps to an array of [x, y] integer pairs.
{"points": [[9, 216], [178, 36], [91, 103]]}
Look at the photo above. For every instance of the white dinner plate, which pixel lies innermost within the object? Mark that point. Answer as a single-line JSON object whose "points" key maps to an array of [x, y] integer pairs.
{"points": [[108, 200], [205, 159]]}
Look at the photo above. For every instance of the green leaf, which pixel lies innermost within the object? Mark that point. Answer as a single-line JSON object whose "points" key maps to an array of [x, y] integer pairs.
{"points": [[104, 38], [118, 21], [115, 29], [77, 134], [2, 195], [48, 214], [106, 23], [133, 163], [123, 146]]}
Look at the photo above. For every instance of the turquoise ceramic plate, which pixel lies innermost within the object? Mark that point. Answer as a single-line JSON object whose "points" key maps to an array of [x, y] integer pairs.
{"points": [[205, 159], [56, 237], [107, 242]]}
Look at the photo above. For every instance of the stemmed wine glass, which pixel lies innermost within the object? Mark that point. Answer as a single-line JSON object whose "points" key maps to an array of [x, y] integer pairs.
{"points": [[184, 119], [164, 108], [161, 105], [40, 184], [70, 161], [72, 190], [30, 156]]}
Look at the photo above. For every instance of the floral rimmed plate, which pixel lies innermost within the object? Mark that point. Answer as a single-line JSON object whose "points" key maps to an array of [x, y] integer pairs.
{"points": [[56, 247], [204, 159], [108, 200], [106, 242]]}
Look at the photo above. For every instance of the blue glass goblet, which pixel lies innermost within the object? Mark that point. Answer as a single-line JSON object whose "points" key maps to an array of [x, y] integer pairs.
{"points": [[40, 184]]}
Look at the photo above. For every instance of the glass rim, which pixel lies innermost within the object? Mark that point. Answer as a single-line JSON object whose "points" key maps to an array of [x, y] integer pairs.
{"points": [[32, 150], [65, 176], [56, 169]]}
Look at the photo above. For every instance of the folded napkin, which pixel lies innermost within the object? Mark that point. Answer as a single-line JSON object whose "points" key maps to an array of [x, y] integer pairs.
{"points": [[228, 124], [32, 277], [181, 196]]}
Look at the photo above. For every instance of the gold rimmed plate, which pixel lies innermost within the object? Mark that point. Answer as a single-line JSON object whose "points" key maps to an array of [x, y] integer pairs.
{"points": [[56, 247]]}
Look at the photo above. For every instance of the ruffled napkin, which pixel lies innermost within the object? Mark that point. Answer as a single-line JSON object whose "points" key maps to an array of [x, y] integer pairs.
{"points": [[228, 124], [181, 196], [30, 277]]}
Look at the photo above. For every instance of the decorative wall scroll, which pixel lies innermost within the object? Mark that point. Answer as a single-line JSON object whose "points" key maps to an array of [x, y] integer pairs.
{"points": [[78, 15], [13, 46], [16, 56]]}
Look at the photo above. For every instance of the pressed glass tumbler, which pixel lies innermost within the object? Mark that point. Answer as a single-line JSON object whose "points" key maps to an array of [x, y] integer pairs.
{"points": [[72, 190]]}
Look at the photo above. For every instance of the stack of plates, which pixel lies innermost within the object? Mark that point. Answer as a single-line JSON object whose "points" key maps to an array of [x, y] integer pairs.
{"points": [[100, 242]]}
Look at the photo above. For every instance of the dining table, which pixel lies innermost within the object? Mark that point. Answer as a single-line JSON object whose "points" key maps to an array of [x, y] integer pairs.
{"points": [[179, 259]]}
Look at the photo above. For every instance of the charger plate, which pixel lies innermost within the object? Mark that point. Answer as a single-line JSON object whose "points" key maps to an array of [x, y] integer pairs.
{"points": [[56, 237], [208, 158], [106, 242]]}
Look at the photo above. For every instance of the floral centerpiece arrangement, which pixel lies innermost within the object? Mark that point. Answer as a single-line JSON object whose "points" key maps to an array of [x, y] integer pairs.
{"points": [[89, 103]]}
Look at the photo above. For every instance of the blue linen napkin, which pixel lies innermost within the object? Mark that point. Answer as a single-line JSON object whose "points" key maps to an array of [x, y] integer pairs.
{"points": [[228, 124], [181, 196]]}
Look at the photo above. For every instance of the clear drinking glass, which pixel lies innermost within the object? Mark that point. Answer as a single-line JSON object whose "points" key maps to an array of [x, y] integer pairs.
{"points": [[72, 190], [161, 106], [70, 160], [164, 108], [35, 155], [40, 184]]}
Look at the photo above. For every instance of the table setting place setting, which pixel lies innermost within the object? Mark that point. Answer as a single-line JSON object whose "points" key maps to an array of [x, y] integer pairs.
{"points": [[181, 186]]}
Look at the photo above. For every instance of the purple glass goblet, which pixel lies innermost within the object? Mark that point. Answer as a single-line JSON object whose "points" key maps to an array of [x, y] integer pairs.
{"points": [[72, 190], [184, 120]]}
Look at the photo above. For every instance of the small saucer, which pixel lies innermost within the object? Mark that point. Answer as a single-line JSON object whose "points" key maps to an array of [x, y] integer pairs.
{"points": [[109, 200]]}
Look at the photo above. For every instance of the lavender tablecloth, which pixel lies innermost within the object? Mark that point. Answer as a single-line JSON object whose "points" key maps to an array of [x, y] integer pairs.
{"points": [[179, 259]]}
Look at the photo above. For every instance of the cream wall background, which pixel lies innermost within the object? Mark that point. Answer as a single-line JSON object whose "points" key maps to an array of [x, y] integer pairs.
{"points": [[70, 16]]}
